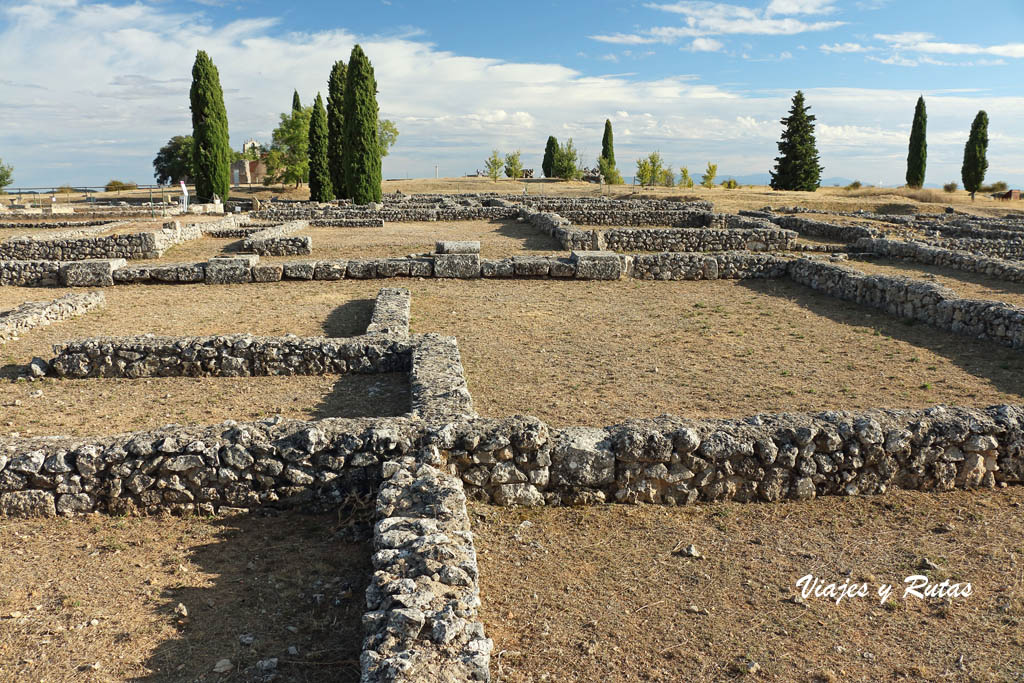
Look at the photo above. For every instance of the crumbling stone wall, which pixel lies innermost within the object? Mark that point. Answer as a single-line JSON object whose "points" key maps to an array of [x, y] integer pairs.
{"points": [[141, 245], [560, 229], [697, 239], [733, 265], [915, 300], [1011, 271], [280, 240], [39, 313], [812, 228], [29, 273]]}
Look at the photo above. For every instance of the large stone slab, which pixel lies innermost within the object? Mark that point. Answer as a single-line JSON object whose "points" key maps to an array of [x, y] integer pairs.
{"points": [[597, 265], [582, 456], [90, 273], [457, 265], [228, 271], [457, 247]]}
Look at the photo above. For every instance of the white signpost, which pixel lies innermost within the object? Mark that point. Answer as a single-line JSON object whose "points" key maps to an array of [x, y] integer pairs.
{"points": [[184, 197]]}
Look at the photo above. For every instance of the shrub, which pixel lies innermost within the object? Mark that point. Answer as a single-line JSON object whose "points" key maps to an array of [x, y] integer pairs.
{"points": [[998, 186], [708, 179], [651, 170], [118, 185], [65, 189], [855, 185], [951, 187], [684, 177], [730, 184], [566, 162], [667, 178]]}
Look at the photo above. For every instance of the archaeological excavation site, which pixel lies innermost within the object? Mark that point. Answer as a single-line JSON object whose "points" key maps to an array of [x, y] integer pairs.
{"points": [[509, 437]]}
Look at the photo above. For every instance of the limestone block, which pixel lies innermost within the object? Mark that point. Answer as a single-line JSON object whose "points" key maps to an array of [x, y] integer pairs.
{"points": [[597, 265], [267, 272], [457, 265], [298, 270], [90, 273], [224, 272], [330, 270], [582, 456], [457, 247]]}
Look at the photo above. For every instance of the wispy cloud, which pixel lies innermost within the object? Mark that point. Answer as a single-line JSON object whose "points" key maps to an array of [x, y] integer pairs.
{"points": [[845, 48]]}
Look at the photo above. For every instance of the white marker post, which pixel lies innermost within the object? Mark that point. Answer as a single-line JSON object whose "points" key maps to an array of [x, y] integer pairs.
{"points": [[184, 196]]}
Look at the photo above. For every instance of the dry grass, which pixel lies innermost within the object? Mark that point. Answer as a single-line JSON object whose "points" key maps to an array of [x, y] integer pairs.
{"points": [[101, 592], [588, 594], [598, 353], [967, 285], [91, 407]]}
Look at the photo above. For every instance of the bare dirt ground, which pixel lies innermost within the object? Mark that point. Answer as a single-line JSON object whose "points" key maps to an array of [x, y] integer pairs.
{"points": [[597, 594], [967, 285], [95, 598], [99, 406], [597, 353]]}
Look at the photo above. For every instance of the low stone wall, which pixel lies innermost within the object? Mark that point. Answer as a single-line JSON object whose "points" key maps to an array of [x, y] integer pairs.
{"points": [[810, 228], [999, 248], [1011, 271], [422, 622], [915, 300], [363, 222], [391, 313], [55, 225], [239, 355], [39, 313], [697, 239], [522, 461], [29, 273], [140, 245], [559, 228], [437, 382], [733, 265], [279, 240]]}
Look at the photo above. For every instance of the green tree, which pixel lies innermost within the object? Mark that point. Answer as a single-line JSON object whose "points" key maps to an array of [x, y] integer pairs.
{"points": [[513, 165], [494, 165], [211, 148], [6, 175], [708, 179], [174, 160], [917, 156], [667, 178], [296, 102], [651, 170], [335, 129], [566, 162], [684, 177], [548, 165], [320, 189], [606, 162], [387, 135], [797, 167], [362, 149], [975, 160], [288, 159]]}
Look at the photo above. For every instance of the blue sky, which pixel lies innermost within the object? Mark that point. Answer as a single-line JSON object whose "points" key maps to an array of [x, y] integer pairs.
{"points": [[91, 90]]}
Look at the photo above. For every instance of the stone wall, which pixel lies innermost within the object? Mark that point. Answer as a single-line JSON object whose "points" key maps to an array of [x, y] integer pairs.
{"points": [[697, 239], [38, 313], [280, 240], [391, 313], [1011, 271], [29, 273], [915, 300], [140, 245], [437, 382], [560, 229], [734, 265], [362, 222], [811, 228], [1000, 248]]}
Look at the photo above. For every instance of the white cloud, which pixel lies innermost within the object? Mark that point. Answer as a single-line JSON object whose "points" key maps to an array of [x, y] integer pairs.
{"points": [[129, 91], [705, 45], [801, 7], [845, 48], [721, 18], [924, 43]]}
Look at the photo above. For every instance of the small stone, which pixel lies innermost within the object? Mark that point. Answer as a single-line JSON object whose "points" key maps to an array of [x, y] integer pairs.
{"points": [[687, 551], [753, 668], [293, 651], [927, 565], [181, 611], [223, 666], [38, 393], [247, 639], [267, 664]]}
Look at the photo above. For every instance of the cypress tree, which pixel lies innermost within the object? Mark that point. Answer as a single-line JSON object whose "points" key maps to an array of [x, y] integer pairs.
{"points": [[607, 144], [548, 165], [296, 102], [362, 151], [211, 149], [975, 161], [319, 170], [917, 156], [797, 168], [335, 128]]}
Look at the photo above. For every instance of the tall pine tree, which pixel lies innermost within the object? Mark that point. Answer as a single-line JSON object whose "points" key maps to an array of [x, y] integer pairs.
{"points": [[211, 148], [917, 156], [362, 151], [797, 168], [975, 155], [319, 169], [548, 165], [296, 102], [335, 129]]}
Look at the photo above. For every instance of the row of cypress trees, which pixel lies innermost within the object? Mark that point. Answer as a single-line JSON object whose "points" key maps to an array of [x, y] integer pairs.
{"points": [[975, 163], [344, 156]]}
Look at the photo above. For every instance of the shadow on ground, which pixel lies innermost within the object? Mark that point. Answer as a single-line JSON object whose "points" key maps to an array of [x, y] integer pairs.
{"points": [[350, 319], [532, 239], [288, 580], [1000, 365], [379, 395]]}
